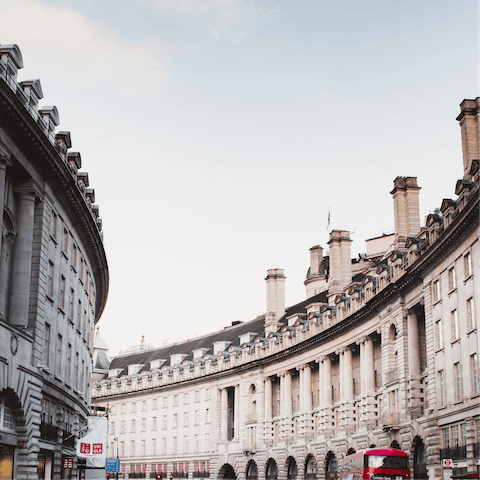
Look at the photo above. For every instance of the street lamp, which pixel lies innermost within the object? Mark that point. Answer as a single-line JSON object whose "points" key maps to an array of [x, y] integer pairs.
{"points": [[116, 441]]}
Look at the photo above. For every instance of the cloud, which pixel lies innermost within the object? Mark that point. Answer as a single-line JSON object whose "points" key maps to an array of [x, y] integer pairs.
{"points": [[218, 17], [89, 55]]}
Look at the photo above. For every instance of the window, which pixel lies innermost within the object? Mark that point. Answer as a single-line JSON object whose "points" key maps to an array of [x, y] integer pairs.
{"points": [[164, 421], [436, 291], [53, 225], [154, 446], [124, 408], [197, 417], [144, 405], [154, 404], [186, 398], [164, 446], [468, 264], [144, 424], [174, 445], [132, 425], [175, 420], [441, 383], [65, 241], [6, 417], [165, 401], [457, 376], [439, 333], [455, 431], [470, 314], [134, 407], [112, 428], [452, 281], [79, 315], [72, 303], [197, 395], [197, 443], [207, 415], [122, 448], [76, 370], [154, 423], [175, 400], [122, 427], [446, 437], [61, 293], [185, 419], [46, 346], [475, 376], [50, 272], [143, 447], [455, 326], [207, 394], [74, 257], [69, 364], [132, 448], [58, 360], [185, 444]]}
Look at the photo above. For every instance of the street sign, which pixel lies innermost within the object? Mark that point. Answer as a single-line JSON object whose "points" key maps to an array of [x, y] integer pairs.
{"points": [[112, 465], [447, 463]]}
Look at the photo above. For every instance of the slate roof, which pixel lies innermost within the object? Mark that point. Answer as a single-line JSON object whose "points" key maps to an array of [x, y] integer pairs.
{"points": [[229, 334]]}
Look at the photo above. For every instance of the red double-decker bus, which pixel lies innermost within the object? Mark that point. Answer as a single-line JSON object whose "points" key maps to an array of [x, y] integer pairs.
{"points": [[375, 464]]}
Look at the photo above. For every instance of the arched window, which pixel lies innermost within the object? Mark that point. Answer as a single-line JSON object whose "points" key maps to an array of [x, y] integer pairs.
{"points": [[252, 471], [311, 468], [271, 470], [292, 469], [6, 417]]}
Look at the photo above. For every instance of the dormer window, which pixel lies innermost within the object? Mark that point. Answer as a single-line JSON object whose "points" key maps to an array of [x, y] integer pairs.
{"points": [[220, 346]]}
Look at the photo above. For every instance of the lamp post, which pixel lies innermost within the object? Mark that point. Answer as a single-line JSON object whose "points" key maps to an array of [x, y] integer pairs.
{"points": [[116, 441]]}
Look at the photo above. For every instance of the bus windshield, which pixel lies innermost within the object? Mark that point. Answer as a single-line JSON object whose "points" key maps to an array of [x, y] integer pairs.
{"points": [[381, 461]]}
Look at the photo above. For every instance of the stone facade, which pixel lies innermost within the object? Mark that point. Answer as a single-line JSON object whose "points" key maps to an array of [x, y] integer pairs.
{"points": [[384, 351], [53, 282]]}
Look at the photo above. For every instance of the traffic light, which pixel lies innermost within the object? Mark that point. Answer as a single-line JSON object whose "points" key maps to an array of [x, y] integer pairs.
{"points": [[171, 477], [159, 476], [107, 475]]}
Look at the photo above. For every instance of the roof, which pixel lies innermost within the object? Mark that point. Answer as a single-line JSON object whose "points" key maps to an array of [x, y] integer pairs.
{"points": [[229, 334]]}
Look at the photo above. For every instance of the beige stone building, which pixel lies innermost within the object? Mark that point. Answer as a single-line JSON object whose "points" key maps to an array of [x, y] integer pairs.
{"points": [[383, 351], [53, 282]]}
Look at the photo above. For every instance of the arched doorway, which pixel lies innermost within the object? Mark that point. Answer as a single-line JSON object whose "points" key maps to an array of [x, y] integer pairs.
{"points": [[292, 470], [420, 460], [331, 468], [310, 468], [271, 470], [252, 471], [227, 472]]}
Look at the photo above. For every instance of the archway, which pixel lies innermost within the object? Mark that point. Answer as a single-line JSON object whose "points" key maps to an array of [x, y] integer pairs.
{"points": [[252, 471], [420, 460], [310, 468], [272, 471], [331, 467], [292, 470], [227, 472]]}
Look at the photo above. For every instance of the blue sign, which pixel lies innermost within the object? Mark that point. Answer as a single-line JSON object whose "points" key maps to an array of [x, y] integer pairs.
{"points": [[112, 465]]}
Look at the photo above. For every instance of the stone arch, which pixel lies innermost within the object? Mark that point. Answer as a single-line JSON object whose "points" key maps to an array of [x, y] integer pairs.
{"points": [[310, 468], [226, 472], [418, 460], [271, 470], [251, 471]]}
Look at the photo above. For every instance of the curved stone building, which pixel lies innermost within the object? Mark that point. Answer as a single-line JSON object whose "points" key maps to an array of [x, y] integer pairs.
{"points": [[383, 352], [53, 282]]}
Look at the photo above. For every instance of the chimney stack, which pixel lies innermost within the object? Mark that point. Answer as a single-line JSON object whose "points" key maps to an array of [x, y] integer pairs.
{"points": [[469, 119], [275, 292], [315, 282], [340, 263], [406, 208]]}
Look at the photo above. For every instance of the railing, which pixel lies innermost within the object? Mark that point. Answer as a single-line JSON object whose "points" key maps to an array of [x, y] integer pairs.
{"points": [[48, 431], [454, 453], [201, 474], [249, 446]]}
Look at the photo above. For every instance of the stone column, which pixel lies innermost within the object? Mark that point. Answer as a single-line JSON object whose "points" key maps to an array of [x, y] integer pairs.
{"points": [[22, 259], [3, 172], [360, 342], [307, 403], [224, 415], [288, 412], [348, 386], [237, 414], [327, 393], [268, 399], [413, 360]]}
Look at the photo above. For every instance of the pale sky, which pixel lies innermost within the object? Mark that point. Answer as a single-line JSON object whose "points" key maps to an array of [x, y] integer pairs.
{"points": [[218, 133]]}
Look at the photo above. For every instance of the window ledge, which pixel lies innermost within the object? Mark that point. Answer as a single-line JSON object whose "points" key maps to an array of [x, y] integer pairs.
{"points": [[455, 341], [440, 350], [473, 330]]}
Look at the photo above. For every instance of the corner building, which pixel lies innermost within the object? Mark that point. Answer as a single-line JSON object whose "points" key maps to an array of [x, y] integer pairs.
{"points": [[53, 282], [383, 352]]}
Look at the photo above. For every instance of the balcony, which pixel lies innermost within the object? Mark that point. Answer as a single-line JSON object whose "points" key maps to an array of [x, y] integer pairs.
{"points": [[415, 412], [69, 442], [454, 453], [48, 432], [390, 421]]}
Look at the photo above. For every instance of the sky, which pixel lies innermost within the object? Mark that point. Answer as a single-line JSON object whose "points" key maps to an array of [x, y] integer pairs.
{"points": [[218, 135]]}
